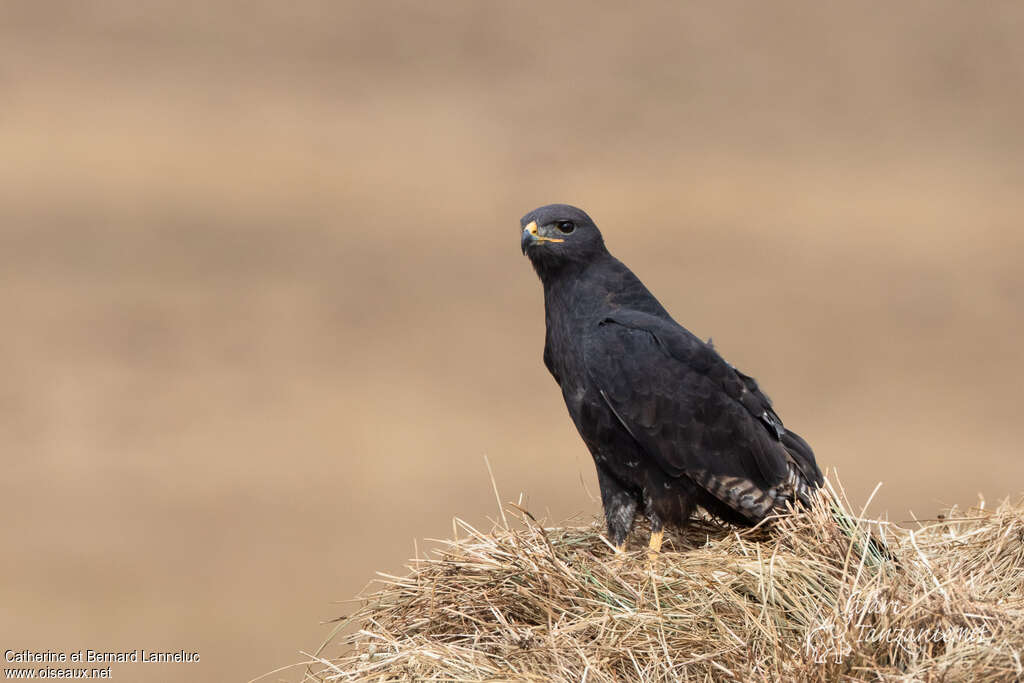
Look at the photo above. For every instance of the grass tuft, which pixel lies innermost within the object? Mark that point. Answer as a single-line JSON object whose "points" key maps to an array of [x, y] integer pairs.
{"points": [[798, 598]]}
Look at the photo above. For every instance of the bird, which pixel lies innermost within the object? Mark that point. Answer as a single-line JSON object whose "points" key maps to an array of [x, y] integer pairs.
{"points": [[671, 425]]}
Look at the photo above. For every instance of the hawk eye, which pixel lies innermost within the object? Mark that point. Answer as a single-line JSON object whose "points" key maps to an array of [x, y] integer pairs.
{"points": [[565, 226]]}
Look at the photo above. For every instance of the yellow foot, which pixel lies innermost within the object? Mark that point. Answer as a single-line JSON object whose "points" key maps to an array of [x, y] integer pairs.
{"points": [[655, 545], [656, 538]]}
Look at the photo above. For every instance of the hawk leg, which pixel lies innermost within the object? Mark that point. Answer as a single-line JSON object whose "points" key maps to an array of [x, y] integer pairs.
{"points": [[619, 508]]}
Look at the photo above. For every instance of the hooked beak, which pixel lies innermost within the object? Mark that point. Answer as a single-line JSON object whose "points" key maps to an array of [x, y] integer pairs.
{"points": [[531, 236]]}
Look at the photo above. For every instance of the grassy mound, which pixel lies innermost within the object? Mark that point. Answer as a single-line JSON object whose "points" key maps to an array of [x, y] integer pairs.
{"points": [[796, 599]]}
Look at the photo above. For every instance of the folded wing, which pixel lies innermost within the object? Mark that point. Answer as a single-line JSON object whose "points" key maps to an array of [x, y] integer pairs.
{"points": [[695, 415]]}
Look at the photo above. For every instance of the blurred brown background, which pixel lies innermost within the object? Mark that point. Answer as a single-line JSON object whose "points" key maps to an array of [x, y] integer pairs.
{"points": [[264, 310]]}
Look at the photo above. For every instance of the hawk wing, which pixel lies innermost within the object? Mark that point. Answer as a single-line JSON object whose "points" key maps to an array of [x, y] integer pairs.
{"points": [[693, 413]]}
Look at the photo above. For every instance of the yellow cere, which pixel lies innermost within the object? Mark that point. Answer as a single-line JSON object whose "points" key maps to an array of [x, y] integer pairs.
{"points": [[532, 227]]}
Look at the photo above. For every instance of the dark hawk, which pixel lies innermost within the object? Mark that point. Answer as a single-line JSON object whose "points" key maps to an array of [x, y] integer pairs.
{"points": [[671, 425]]}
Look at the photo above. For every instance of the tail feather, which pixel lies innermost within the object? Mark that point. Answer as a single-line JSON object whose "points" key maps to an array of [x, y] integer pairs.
{"points": [[803, 456]]}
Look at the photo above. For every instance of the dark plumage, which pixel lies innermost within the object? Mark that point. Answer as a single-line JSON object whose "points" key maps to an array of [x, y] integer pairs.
{"points": [[671, 425]]}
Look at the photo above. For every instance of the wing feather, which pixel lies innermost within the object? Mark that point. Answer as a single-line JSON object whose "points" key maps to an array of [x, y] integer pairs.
{"points": [[689, 410]]}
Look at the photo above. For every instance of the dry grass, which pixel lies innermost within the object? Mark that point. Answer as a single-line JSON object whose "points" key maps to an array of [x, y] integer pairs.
{"points": [[793, 600]]}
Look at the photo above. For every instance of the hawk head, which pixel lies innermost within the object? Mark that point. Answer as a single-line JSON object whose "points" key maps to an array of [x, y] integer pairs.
{"points": [[558, 235]]}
